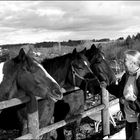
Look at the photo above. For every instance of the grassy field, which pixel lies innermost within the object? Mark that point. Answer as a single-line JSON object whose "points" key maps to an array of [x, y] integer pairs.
{"points": [[112, 49]]}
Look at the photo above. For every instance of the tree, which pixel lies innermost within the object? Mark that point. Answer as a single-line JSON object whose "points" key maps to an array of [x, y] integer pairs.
{"points": [[129, 42], [137, 36], [120, 38]]}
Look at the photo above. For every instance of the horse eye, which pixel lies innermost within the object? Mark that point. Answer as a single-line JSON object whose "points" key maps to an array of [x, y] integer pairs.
{"points": [[79, 67], [76, 66]]}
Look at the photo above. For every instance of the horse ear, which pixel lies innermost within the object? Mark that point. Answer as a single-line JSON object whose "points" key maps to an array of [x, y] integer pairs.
{"points": [[74, 51], [93, 47], [21, 55]]}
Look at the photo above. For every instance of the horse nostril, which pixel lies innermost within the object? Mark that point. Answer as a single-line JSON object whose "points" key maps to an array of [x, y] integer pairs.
{"points": [[58, 93]]}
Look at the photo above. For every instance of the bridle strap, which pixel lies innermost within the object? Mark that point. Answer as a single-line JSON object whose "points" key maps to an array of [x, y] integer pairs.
{"points": [[74, 73], [73, 76]]}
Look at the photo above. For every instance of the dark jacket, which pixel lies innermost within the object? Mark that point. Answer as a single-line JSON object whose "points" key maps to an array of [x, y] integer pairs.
{"points": [[117, 90]]}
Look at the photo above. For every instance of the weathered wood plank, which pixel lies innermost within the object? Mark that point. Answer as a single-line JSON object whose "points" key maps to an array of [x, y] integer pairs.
{"points": [[63, 122], [21, 100], [105, 112], [33, 119]]}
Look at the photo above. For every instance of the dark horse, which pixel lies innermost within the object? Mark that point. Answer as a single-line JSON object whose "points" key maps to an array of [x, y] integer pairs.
{"points": [[24, 73], [24, 76], [69, 71], [100, 67]]}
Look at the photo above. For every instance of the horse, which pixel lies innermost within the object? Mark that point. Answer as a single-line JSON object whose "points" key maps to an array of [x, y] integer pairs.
{"points": [[102, 70], [24, 73], [100, 67], [24, 76], [69, 71]]}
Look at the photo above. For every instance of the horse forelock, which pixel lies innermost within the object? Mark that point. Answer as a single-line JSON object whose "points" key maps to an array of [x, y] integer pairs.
{"points": [[1, 71], [86, 62]]}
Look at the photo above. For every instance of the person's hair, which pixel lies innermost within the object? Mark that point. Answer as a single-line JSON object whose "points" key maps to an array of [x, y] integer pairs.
{"points": [[135, 56]]}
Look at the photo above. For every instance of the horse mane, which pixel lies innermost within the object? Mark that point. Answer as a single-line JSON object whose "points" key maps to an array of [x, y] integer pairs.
{"points": [[55, 62], [57, 58]]}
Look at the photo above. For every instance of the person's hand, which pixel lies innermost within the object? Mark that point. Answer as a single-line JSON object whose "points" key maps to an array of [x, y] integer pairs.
{"points": [[103, 84], [130, 97]]}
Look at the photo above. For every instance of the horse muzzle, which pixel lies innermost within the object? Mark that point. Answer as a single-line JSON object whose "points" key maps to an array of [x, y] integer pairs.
{"points": [[57, 95]]}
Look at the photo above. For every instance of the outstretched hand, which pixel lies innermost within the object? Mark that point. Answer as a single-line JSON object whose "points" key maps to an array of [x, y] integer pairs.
{"points": [[130, 97], [103, 84]]}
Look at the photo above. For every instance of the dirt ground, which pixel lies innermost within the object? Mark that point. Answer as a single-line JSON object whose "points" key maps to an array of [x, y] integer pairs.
{"points": [[87, 127], [90, 134], [87, 131]]}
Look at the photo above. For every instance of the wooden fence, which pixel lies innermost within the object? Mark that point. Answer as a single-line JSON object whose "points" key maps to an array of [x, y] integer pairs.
{"points": [[33, 121]]}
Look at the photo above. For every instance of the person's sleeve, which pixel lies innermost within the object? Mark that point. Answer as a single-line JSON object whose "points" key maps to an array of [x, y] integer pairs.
{"points": [[135, 105]]}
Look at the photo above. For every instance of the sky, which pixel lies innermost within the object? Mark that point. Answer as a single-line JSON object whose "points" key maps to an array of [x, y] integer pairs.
{"points": [[38, 21]]}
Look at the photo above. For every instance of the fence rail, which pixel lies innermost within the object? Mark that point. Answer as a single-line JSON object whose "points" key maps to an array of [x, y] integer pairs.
{"points": [[33, 121]]}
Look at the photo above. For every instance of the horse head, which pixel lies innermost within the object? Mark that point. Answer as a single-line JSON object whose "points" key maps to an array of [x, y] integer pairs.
{"points": [[80, 67], [99, 65], [23, 73], [94, 54]]}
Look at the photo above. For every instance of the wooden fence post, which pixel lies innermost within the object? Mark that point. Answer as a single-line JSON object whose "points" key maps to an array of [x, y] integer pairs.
{"points": [[105, 112], [33, 119]]}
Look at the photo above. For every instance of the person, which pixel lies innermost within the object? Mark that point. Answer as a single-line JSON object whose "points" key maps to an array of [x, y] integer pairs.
{"points": [[128, 92]]}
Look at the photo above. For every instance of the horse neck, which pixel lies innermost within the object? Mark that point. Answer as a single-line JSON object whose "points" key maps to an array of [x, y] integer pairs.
{"points": [[58, 68], [111, 74]]}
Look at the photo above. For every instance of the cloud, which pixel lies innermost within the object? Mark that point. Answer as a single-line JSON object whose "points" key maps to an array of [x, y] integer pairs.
{"points": [[30, 21]]}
